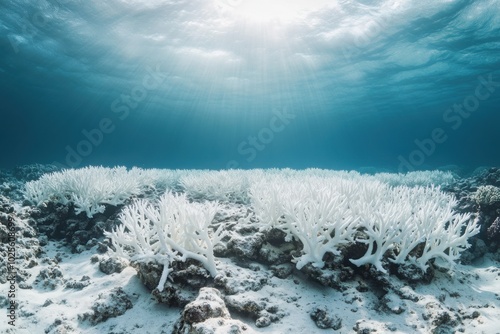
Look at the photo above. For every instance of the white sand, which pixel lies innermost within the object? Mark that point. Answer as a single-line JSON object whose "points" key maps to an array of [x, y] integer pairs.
{"points": [[469, 289]]}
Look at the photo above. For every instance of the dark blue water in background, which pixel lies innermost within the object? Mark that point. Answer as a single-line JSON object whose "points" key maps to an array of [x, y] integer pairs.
{"points": [[199, 84]]}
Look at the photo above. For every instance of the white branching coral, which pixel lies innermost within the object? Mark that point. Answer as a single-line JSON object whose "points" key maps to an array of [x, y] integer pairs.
{"points": [[417, 178], [225, 186], [321, 223], [447, 239], [306, 209], [403, 218], [327, 212], [90, 188], [399, 217], [172, 229], [267, 200]]}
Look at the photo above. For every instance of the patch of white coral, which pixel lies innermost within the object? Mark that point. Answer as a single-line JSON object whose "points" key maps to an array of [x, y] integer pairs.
{"points": [[417, 178], [90, 188], [172, 229], [392, 214], [225, 185], [325, 213]]}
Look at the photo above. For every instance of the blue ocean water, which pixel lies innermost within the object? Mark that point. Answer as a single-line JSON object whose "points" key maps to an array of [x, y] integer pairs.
{"points": [[388, 85]]}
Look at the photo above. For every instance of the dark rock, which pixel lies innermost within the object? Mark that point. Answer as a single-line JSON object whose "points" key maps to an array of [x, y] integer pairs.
{"points": [[440, 317], [248, 307], [362, 287], [406, 293], [254, 266], [220, 250], [208, 314], [324, 320], [412, 273], [493, 232], [233, 282], [192, 275], [50, 277], [60, 326], [78, 285], [175, 295], [263, 322], [363, 330], [283, 270], [110, 265], [275, 237], [245, 246], [182, 286], [208, 304], [43, 240], [477, 250], [326, 277], [443, 329], [47, 303], [59, 222], [392, 303], [102, 247], [149, 274], [109, 305], [271, 254]]}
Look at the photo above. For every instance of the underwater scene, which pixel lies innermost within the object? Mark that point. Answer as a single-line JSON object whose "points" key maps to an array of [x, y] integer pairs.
{"points": [[250, 166]]}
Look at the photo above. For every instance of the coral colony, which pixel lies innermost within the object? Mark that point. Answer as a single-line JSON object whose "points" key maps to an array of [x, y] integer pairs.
{"points": [[325, 211]]}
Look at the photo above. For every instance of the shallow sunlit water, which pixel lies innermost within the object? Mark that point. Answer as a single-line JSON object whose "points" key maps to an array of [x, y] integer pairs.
{"points": [[395, 85]]}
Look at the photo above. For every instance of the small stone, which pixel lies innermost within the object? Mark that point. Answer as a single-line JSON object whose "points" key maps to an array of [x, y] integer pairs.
{"points": [[102, 248], [47, 303], [282, 271], [254, 266], [263, 322], [208, 304], [109, 305], [324, 320], [362, 287], [112, 265]]}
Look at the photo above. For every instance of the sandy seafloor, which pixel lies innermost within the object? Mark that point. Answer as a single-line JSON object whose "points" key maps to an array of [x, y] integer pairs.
{"points": [[471, 289]]}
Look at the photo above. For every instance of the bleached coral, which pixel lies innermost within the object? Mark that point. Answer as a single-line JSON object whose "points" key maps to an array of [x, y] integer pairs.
{"points": [[405, 218], [225, 186], [90, 188], [410, 179], [321, 223], [401, 217], [417, 178], [268, 202], [306, 209], [326, 212], [172, 229]]}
